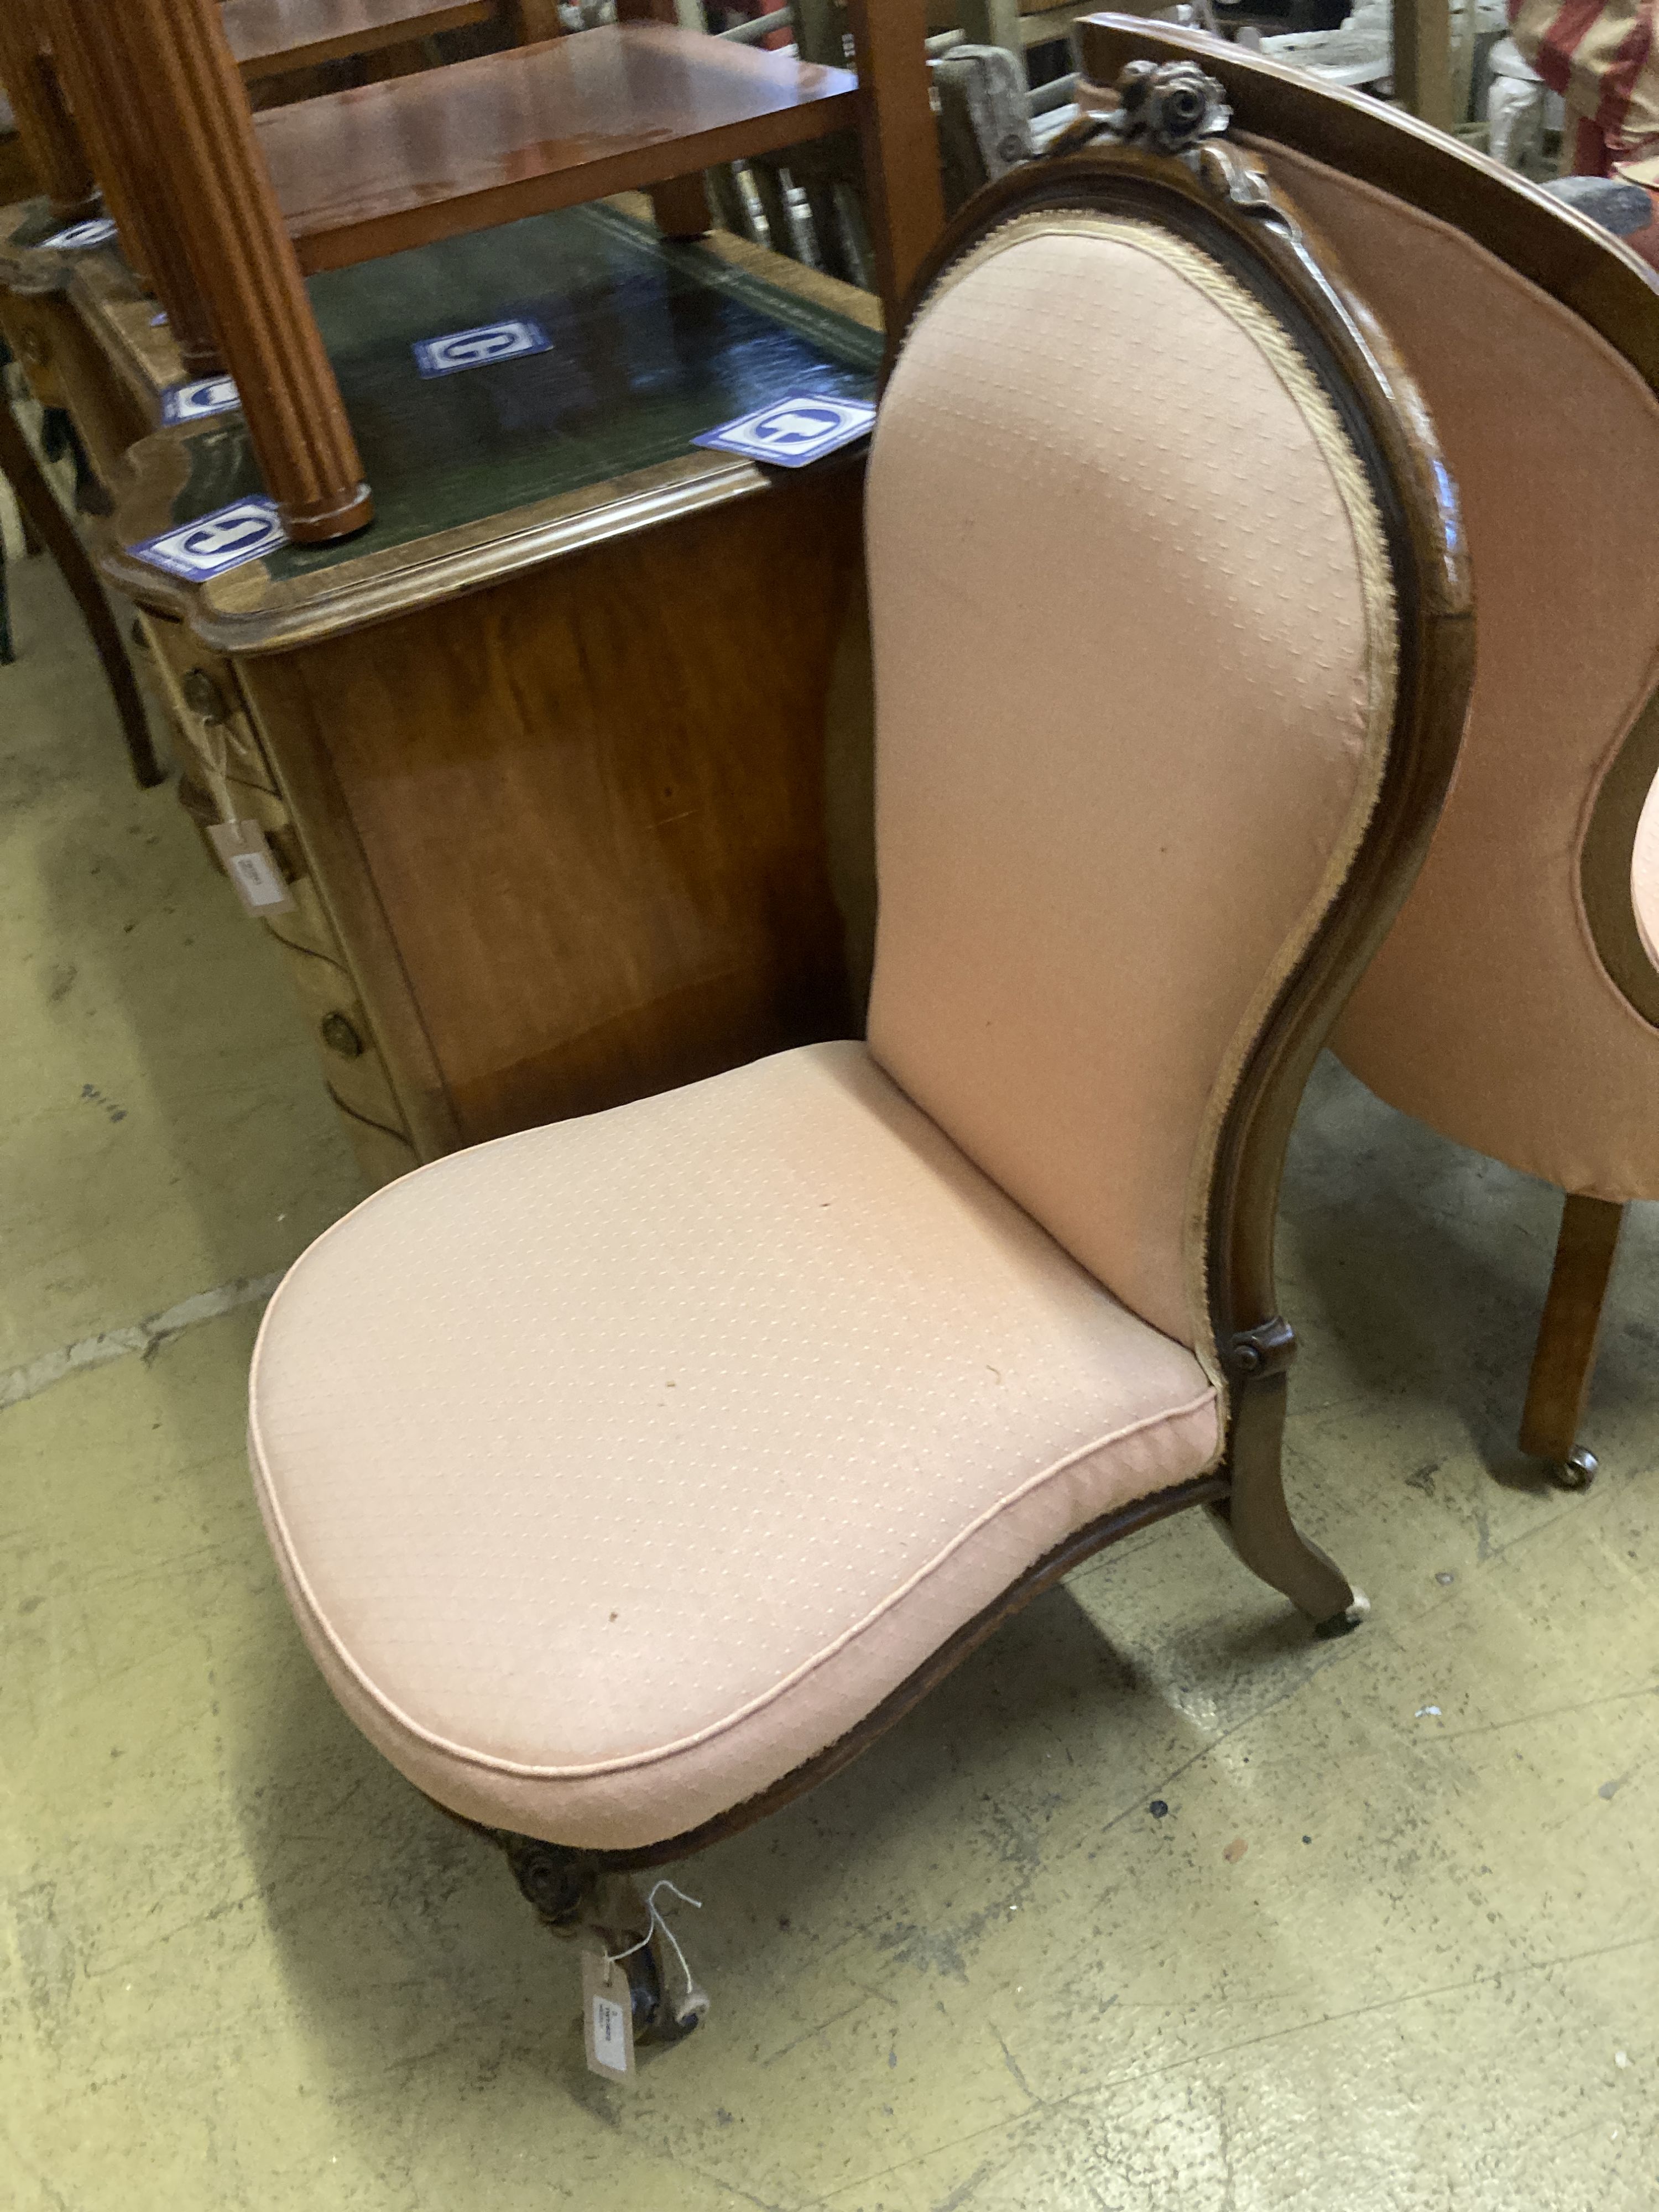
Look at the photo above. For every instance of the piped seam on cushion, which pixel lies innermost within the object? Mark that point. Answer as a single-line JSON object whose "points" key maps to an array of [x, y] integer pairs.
{"points": [[633, 1761]]}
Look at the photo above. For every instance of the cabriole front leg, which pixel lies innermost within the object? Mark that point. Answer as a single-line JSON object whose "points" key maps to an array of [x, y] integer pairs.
{"points": [[1255, 1517]]}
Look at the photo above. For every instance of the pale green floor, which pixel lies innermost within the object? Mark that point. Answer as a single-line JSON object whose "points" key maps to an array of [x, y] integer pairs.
{"points": [[244, 1966]]}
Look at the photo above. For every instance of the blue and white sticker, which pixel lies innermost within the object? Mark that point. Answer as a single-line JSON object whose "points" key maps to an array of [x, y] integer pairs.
{"points": [[203, 395], [97, 230], [213, 543], [477, 348], [792, 432]]}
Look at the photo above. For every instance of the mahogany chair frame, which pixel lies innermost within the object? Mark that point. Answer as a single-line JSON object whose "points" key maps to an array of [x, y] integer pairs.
{"points": [[1226, 206], [1616, 296]]}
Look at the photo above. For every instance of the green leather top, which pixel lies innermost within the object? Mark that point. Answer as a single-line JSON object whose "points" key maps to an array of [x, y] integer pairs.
{"points": [[652, 343]]}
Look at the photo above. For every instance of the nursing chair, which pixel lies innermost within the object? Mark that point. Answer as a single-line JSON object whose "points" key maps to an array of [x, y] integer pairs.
{"points": [[1515, 1006], [628, 1475]]}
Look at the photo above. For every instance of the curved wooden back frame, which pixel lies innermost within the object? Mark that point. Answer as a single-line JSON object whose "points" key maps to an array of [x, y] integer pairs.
{"points": [[1541, 238]]}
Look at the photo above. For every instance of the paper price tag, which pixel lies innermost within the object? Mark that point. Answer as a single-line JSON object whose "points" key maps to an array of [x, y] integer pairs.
{"points": [[607, 2017], [203, 395], [213, 543], [80, 237], [478, 348], [252, 866], [792, 432]]}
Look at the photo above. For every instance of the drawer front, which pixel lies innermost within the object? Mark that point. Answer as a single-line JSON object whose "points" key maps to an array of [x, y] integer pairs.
{"points": [[206, 701], [352, 1065]]}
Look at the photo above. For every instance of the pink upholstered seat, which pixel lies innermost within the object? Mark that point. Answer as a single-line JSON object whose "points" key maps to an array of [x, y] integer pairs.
{"points": [[618, 1469]]}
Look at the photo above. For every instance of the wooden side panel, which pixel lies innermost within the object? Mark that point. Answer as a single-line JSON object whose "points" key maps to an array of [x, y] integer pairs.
{"points": [[590, 802]]}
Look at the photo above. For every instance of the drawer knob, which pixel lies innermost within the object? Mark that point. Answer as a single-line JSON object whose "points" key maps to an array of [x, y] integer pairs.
{"points": [[35, 350], [202, 696], [340, 1037]]}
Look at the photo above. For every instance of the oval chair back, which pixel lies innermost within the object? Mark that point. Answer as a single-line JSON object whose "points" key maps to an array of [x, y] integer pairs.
{"points": [[1515, 1006]]}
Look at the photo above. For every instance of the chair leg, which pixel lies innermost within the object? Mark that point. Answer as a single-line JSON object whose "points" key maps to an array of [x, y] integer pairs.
{"points": [[1564, 1359], [575, 1894], [36, 499], [1255, 1520]]}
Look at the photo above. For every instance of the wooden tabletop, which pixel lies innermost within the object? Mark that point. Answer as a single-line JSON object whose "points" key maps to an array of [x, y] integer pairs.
{"points": [[416, 159], [517, 462], [270, 36]]}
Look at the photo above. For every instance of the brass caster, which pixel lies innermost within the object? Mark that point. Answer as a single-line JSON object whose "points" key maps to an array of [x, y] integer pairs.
{"points": [[655, 2020], [1576, 1471], [1345, 1622]]}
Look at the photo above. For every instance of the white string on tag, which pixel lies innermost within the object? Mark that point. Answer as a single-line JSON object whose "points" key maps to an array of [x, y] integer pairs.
{"points": [[217, 765], [612, 1958]]}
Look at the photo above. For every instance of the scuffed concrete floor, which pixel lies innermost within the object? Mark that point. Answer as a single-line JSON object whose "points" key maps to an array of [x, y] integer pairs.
{"points": [[1392, 1945]]}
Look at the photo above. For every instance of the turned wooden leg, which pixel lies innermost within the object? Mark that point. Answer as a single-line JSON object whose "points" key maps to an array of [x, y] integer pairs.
{"points": [[44, 122], [128, 165], [1564, 1359], [188, 88], [681, 206], [901, 180], [52, 527]]}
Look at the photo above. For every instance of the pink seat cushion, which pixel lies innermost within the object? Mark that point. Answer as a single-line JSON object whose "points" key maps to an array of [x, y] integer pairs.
{"points": [[616, 1468]]}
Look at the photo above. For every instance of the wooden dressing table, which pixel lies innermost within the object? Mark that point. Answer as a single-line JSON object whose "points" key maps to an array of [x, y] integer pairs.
{"points": [[542, 751]]}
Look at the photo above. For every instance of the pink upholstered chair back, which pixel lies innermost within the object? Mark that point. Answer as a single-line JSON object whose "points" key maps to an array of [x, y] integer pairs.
{"points": [[1513, 1006], [1136, 655]]}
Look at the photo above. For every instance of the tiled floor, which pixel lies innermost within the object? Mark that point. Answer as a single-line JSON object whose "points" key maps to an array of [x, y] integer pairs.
{"points": [[1394, 1946]]}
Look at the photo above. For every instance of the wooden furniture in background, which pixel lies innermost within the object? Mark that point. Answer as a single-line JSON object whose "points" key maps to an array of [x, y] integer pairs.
{"points": [[417, 159], [269, 37], [54, 146], [219, 193], [124, 146], [84, 331], [50, 528], [542, 752]]}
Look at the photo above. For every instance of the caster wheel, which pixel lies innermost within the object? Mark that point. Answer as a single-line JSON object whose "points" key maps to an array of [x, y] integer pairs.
{"points": [[1576, 1471]]}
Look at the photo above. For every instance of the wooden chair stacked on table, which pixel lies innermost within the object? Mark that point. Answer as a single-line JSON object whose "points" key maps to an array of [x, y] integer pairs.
{"points": [[1515, 1006], [226, 213]]}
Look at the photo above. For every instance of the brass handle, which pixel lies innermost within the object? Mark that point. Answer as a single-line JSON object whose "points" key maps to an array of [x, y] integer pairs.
{"points": [[35, 350], [340, 1037]]}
